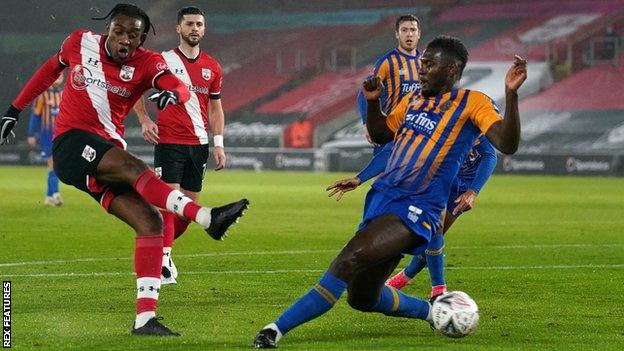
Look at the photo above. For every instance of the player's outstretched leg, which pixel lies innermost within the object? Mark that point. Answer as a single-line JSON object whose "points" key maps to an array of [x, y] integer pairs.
{"points": [[119, 166], [381, 241], [215, 221], [320, 299]]}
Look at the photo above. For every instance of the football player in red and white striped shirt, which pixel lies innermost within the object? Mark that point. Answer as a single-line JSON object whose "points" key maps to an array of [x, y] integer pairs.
{"points": [[108, 73], [181, 132]]}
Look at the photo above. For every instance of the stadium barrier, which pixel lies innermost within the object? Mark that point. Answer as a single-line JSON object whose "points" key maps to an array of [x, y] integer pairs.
{"points": [[356, 158]]}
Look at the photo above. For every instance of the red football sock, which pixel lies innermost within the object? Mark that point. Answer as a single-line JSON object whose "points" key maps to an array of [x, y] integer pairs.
{"points": [[159, 194], [168, 227], [179, 226], [148, 265]]}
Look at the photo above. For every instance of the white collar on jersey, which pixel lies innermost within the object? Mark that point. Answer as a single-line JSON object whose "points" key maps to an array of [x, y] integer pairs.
{"points": [[106, 48], [189, 58]]}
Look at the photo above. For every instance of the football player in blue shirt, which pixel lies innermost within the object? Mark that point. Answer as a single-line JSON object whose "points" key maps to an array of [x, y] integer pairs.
{"points": [[41, 126], [432, 136], [473, 175]]}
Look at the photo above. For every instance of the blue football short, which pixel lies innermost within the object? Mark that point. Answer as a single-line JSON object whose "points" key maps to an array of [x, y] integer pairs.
{"points": [[413, 214]]}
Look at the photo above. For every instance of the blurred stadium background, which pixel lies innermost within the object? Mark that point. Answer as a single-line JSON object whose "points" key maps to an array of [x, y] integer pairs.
{"points": [[292, 70]]}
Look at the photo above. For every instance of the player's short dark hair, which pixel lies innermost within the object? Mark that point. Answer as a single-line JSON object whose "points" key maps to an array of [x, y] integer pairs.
{"points": [[189, 10], [452, 47], [132, 11], [406, 18]]}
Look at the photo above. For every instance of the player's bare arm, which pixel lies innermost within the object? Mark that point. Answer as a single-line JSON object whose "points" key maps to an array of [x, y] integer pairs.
{"points": [[342, 186], [217, 125], [505, 135], [149, 129], [375, 119]]}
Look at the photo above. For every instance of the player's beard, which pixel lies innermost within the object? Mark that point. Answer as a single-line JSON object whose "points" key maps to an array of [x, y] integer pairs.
{"points": [[187, 39]]}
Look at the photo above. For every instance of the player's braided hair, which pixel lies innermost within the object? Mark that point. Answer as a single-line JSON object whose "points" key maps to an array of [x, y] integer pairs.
{"points": [[130, 11], [453, 47]]}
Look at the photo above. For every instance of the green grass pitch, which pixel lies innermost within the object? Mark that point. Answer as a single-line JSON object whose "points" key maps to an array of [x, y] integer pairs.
{"points": [[542, 256]]}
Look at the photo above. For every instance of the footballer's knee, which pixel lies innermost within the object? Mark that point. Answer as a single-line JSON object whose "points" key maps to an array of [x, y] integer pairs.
{"points": [[348, 262], [133, 166], [363, 303]]}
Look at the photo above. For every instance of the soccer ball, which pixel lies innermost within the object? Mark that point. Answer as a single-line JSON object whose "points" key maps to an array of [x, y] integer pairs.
{"points": [[455, 314]]}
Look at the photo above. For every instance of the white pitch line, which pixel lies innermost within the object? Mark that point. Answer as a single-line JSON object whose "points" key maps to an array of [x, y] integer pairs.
{"points": [[99, 259], [280, 271], [298, 252]]}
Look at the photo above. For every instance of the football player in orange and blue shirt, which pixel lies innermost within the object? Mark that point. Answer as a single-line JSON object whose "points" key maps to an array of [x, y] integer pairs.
{"points": [[41, 127], [397, 69], [432, 136]]}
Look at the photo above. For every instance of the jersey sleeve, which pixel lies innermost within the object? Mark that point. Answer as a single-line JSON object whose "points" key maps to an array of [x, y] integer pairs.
{"points": [[69, 47], [396, 117], [484, 111], [486, 164], [155, 66], [377, 164], [215, 87], [382, 69]]}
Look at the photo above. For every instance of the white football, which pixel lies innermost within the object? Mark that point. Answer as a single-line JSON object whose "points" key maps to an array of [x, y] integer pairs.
{"points": [[455, 314]]}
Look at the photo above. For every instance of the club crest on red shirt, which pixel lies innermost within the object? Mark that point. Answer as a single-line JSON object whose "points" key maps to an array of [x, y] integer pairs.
{"points": [[206, 73], [126, 73]]}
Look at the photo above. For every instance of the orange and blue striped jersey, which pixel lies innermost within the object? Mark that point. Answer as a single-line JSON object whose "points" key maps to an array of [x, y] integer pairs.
{"points": [[432, 139], [399, 75], [46, 108]]}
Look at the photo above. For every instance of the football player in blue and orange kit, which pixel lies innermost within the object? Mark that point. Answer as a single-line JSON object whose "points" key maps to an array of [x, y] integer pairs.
{"points": [[474, 173], [41, 126], [397, 69], [432, 135]]}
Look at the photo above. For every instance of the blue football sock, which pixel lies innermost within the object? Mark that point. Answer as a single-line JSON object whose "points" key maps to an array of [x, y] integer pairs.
{"points": [[435, 260], [393, 302], [318, 300], [53, 184], [416, 265]]}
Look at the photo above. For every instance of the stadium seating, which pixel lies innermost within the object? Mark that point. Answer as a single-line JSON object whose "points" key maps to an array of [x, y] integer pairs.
{"points": [[575, 115]]}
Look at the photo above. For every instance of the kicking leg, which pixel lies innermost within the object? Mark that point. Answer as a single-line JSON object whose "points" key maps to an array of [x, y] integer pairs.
{"points": [[119, 166], [131, 208]]}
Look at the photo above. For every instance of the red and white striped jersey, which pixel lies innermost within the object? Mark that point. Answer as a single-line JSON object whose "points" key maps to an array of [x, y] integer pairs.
{"points": [[100, 92], [187, 124]]}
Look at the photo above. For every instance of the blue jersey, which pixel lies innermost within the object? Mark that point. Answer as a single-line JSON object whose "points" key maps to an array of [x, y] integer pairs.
{"points": [[433, 136], [474, 172]]}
